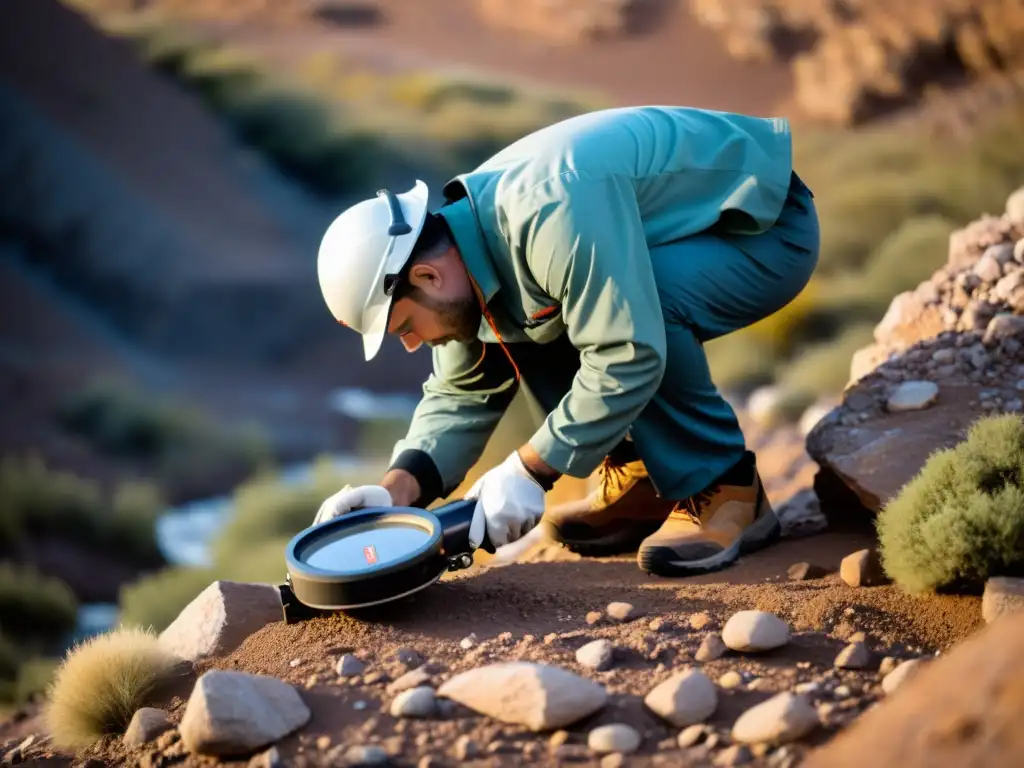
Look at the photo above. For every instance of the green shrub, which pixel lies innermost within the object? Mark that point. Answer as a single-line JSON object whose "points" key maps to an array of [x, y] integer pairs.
{"points": [[10, 659], [126, 423], [34, 607], [961, 518], [37, 500]]}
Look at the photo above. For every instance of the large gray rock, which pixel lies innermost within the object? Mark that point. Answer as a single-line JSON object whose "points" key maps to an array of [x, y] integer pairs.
{"points": [[234, 713], [220, 618], [538, 696]]}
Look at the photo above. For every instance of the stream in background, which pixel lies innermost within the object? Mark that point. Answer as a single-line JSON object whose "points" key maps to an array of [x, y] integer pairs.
{"points": [[184, 532]]}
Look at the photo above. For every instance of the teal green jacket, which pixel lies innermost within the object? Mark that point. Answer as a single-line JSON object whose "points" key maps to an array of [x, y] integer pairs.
{"points": [[556, 231]]}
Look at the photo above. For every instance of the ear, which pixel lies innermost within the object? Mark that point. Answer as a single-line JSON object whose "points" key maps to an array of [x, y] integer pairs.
{"points": [[426, 275]]}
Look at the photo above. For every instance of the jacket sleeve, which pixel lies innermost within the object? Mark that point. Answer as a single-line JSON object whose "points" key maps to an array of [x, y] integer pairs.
{"points": [[586, 247], [463, 399]]}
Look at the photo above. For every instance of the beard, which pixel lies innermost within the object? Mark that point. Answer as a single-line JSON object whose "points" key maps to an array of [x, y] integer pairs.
{"points": [[459, 317]]}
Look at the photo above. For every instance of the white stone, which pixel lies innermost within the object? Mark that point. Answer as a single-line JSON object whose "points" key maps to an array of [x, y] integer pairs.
{"points": [[538, 696], [685, 698], [752, 631], [783, 718], [414, 702], [468, 641], [801, 514], [912, 396], [1003, 595], [597, 654], [220, 618], [901, 674], [614, 737], [349, 666], [232, 712], [1018, 251]]}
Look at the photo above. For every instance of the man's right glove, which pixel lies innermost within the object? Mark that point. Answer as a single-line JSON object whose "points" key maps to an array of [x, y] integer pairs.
{"points": [[349, 499], [509, 503]]}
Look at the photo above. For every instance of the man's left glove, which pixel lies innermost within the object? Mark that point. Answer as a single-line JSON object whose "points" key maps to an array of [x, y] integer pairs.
{"points": [[509, 504]]}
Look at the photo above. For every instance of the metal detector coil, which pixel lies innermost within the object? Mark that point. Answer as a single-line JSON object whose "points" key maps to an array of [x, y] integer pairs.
{"points": [[374, 556]]}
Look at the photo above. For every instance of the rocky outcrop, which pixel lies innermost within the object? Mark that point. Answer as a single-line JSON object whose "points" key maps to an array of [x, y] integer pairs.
{"points": [[945, 354], [851, 61], [962, 709]]}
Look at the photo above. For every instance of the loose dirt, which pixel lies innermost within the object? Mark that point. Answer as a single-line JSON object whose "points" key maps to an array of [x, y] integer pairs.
{"points": [[537, 610]]}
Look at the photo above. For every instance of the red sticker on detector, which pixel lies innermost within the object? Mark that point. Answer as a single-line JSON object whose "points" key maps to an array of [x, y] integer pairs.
{"points": [[370, 553]]}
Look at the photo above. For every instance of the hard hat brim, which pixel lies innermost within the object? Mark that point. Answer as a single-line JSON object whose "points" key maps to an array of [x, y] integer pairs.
{"points": [[414, 203]]}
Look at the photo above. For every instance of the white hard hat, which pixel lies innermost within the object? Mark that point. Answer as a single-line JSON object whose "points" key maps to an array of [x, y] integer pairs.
{"points": [[360, 249]]}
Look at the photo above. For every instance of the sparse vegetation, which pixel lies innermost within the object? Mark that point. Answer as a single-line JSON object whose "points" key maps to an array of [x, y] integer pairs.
{"points": [[337, 126], [37, 500], [174, 441], [101, 682], [961, 518], [34, 607]]}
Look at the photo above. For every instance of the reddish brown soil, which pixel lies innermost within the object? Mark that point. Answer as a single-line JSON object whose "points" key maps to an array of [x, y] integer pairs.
{"points": [[536, 610]]}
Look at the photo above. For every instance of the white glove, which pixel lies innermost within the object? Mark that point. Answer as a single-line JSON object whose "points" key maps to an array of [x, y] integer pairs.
{"points": [[349, 499], [509, 503]]}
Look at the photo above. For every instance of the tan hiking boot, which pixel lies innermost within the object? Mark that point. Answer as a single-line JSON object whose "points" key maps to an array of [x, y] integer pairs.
{"points": [[615, 517], [710, 530]]}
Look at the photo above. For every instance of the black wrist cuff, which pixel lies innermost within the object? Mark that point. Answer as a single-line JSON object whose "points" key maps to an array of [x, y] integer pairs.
{"points": [[419, 464], [547, 482]]}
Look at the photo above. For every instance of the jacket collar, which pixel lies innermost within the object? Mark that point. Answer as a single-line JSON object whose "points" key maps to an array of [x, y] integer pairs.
{"points": [[465, 229]]}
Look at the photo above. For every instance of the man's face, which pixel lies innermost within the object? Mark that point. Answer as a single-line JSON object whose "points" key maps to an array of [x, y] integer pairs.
{"points": [[440, 308]]}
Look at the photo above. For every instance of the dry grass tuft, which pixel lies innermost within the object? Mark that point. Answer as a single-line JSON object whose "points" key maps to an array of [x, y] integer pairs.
{"points": [[101, 683]]}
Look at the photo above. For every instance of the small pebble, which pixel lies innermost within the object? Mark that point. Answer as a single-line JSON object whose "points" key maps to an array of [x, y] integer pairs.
{"points": [[711, 648], [656, 624], [468, 641], [805, 572], [615, 737], [753, 631], [366, 755], [782, 718], [349, 666], [730, 679], [853, 656], [700, 620], [842, 692], [414, 702], [887, 665], [621, 611], [294, 662], [597, 654], [593, 617], [863, 569], [614, 760], [690, 735], [901, 674]]}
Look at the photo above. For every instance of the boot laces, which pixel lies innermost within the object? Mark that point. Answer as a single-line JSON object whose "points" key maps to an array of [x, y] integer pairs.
{"points": [[692, 508]]}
